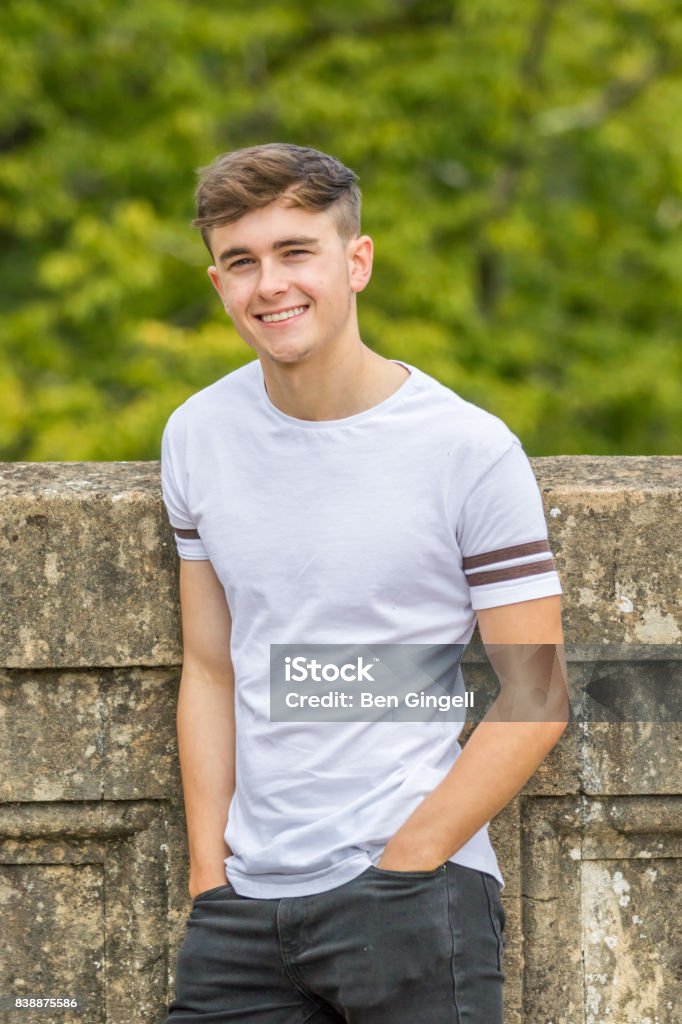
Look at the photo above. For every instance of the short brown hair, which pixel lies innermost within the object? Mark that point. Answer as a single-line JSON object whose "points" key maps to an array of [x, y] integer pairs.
{"points": [[248, 179]]}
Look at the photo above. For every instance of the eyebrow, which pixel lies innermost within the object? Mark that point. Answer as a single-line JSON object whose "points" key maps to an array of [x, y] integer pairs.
{"points": [[282, 244]]}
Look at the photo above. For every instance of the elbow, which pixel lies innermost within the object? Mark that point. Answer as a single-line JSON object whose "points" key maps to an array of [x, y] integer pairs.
{"points": [[560, 723]]}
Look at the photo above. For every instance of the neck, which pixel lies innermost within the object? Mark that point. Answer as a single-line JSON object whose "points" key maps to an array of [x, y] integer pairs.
{"points": [[334, 385]]}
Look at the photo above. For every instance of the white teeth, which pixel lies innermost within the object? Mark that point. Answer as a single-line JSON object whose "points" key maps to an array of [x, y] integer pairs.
{"points": [[270, 318]]}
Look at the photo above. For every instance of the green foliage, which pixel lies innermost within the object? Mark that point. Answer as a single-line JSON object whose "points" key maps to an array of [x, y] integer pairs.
{"points": [[522, 174]]}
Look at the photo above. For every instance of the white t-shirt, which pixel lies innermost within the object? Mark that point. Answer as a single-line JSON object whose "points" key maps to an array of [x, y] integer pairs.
{"points": [[391, 526]]}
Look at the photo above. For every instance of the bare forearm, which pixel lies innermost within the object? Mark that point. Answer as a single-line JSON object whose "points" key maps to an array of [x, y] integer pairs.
{"points": [[206, 745], [496, 762], [519, 729]]}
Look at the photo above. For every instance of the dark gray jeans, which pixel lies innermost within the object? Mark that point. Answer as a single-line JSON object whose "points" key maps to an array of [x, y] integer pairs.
{"points": [[388, 947]]}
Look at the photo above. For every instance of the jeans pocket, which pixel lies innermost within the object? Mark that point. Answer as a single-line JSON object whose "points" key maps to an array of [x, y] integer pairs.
{"points": [[211, 892], [388, 873]]}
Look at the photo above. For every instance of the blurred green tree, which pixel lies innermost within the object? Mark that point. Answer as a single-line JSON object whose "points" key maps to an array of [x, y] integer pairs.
{"points": [[522, 177]]}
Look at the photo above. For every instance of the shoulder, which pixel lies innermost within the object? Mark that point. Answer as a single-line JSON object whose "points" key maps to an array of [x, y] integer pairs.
{"points": [[471, 433], [228, 397]]}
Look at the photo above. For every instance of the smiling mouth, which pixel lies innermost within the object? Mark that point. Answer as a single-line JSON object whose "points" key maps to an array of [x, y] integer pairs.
{"points": [[285, 314]]}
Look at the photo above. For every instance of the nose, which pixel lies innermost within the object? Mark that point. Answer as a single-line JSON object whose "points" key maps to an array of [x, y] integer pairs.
{"points": [[272, 280]]}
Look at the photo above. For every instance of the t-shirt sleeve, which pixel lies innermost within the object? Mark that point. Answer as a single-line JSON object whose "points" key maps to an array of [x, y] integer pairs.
{"points": [[502, 535], [187, 539]]}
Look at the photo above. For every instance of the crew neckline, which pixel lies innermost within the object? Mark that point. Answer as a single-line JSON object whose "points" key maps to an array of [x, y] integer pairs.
{"points": [[346, 421]]}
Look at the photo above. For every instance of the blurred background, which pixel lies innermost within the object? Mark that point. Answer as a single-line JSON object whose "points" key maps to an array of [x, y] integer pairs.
{"points": [[521, 165]]}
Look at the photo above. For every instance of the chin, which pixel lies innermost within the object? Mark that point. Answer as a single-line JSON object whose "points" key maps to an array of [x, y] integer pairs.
{"points": [[288, 358]]}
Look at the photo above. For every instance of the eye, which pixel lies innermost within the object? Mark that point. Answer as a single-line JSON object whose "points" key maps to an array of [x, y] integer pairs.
{"points": [[297, 252], [240, 263]]}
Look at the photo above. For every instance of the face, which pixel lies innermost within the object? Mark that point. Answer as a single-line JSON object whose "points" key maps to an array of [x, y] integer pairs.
{"points": [[288, 281]]}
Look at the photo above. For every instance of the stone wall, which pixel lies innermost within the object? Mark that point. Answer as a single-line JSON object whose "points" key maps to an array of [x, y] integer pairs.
{"points": [[93, 872]]}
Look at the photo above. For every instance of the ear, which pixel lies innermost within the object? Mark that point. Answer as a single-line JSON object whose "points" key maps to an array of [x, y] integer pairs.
{"points": [[215, 280], [360, 256], [217, 284]]}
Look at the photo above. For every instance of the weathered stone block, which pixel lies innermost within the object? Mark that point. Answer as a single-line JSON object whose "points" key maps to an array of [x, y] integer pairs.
{"points": [[591, 907], [88, 566], [84, 888], [615, 526]]}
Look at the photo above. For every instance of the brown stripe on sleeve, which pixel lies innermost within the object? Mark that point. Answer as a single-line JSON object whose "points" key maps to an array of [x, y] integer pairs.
{"points": [[533, 547], [512, 572], [189, 534]]}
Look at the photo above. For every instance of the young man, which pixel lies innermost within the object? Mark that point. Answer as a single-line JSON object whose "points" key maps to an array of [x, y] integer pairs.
{"points": [[321, 494]]}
